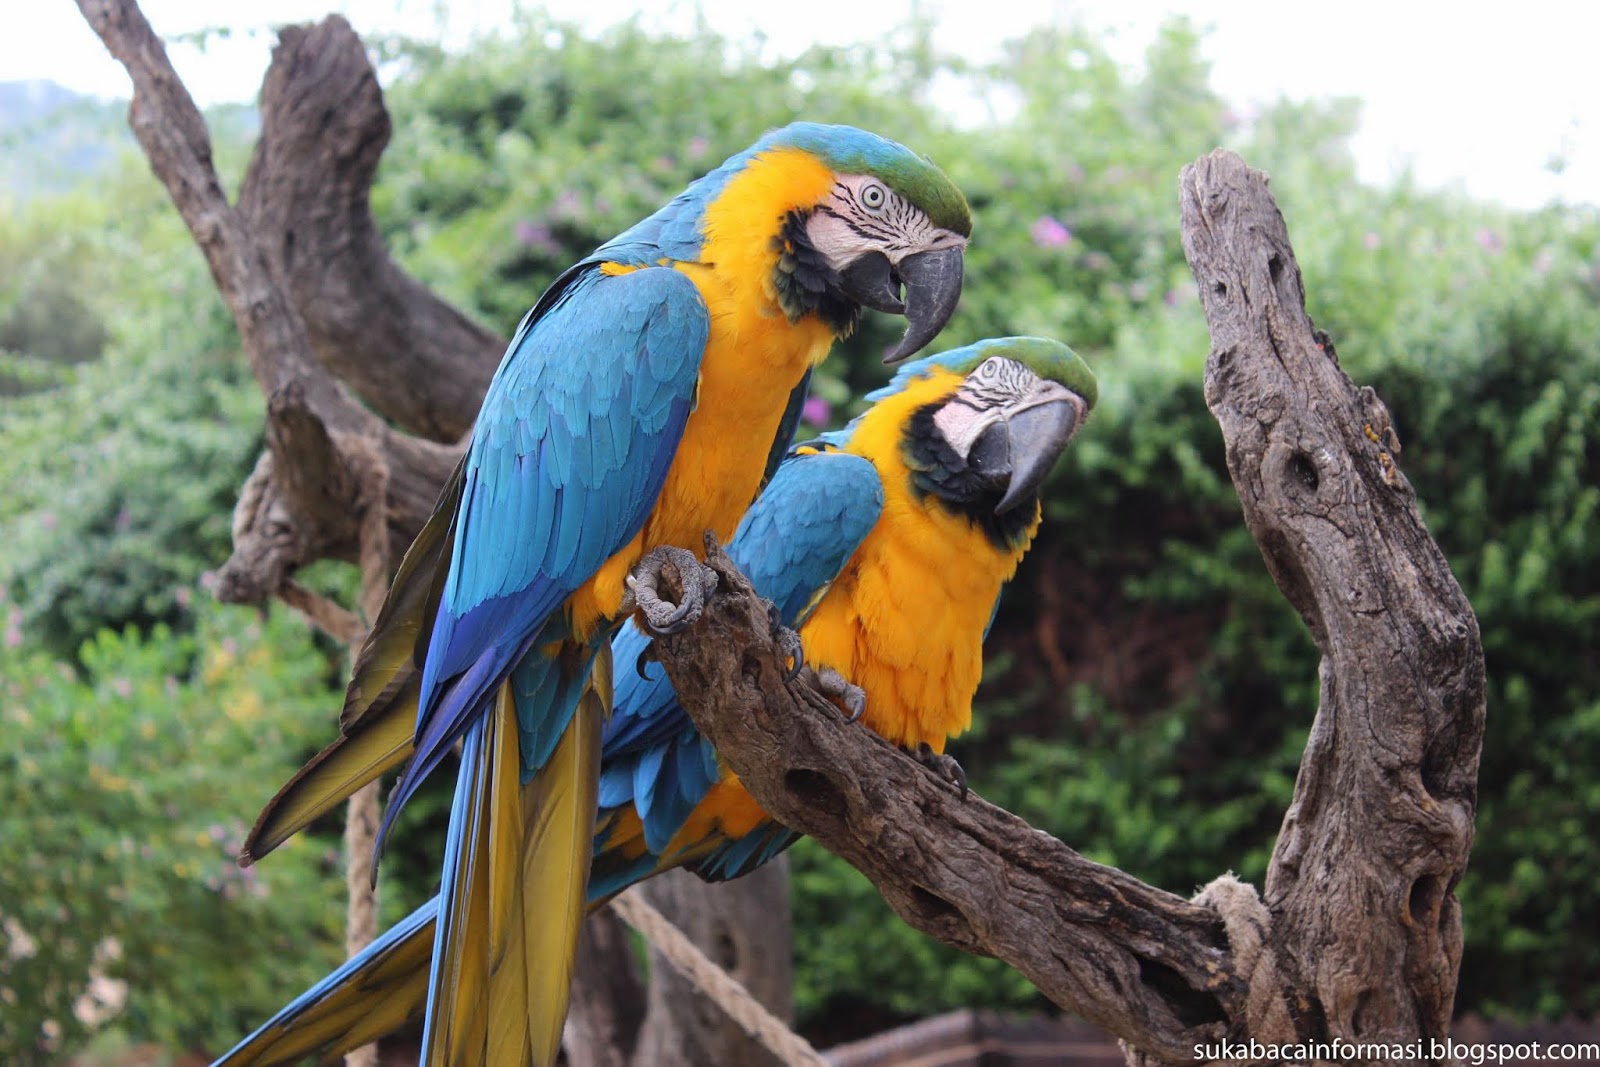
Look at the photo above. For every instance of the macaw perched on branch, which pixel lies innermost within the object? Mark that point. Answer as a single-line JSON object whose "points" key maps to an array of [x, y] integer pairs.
{"points": [[887, 544], [635, 409]]}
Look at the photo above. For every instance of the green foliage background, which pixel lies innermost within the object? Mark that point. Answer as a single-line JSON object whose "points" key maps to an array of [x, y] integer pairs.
{"points": [[1148, 692]]}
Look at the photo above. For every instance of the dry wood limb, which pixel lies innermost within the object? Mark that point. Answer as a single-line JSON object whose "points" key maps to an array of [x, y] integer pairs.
{"points": [[1360, 938], [1145, 964], [1362, 882], [418, 361], [296, 506]]}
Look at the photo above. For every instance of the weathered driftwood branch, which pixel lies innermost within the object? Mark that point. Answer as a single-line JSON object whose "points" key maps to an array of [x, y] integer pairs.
{"points": [[417, 360], [1145, 964], [1378, 833], [1361, 937], [304, 500]]}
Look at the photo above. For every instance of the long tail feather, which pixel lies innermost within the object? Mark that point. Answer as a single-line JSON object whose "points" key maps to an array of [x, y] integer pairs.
{"points": [[559, 803], [454, 1035], [376, 992], [513, 899], [378, 743]]}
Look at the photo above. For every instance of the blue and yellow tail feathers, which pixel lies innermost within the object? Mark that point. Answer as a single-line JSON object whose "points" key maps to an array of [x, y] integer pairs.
{"points": [[513, 899]]}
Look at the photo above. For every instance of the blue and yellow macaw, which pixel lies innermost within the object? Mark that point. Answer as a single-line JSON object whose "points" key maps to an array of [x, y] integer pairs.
{"points": [[887, 544], [635, 409]]}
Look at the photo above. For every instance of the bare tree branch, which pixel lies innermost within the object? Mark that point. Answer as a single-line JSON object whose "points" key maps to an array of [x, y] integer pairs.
{"points": [[417, 360], [297, 506], [1378, 834], [1361, 937]]}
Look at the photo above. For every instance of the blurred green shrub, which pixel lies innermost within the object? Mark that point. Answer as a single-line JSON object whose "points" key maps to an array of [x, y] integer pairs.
{"points": [[127, 787]]}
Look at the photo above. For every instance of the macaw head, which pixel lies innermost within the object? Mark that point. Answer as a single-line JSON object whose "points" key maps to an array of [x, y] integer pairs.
{"points": [[884, 229], [984, 425]]}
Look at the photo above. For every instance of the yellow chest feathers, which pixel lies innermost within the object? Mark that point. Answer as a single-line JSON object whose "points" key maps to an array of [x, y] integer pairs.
{"points": [[905, 619], [754, 358]]}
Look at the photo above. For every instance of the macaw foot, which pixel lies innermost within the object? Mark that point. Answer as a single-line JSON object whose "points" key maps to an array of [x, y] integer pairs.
{"points": [[787, 642], [941, 765], [851, 699], [661, 617]]}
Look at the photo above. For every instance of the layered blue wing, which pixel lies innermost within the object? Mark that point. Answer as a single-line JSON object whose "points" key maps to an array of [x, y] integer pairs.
{"points": [[569, 453], [792, 544]]}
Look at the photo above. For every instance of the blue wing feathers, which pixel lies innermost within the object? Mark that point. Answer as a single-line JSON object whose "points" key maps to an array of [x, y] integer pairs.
{"points": [[546, 501], [792, 543]]}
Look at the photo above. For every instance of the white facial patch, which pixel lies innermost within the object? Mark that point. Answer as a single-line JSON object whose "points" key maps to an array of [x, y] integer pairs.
{"points": [[863, 215], [985, 396], [962, 424]]}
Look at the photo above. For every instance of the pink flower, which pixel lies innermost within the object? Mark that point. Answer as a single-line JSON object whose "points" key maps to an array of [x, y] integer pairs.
{"points": [[816, 411], [535, 236], [1049, 232], [1489, 241], [1370, 241], [698, 146]]}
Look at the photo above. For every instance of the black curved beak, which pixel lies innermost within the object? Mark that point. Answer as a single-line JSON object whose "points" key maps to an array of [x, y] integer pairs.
{"points": [[932, 288], [1038, 433], [870, 281]]}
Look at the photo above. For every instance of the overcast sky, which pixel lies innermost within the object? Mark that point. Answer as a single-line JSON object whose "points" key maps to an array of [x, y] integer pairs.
{"points": [[1480, 96]]}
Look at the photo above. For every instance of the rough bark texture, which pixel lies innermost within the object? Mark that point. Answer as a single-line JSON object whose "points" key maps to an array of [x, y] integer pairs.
{"points": [[415, 359], [608, 997], [1381, 822]]}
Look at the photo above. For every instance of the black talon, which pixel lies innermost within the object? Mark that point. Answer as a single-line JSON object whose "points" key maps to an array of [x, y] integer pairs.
{"points": [[788, 643], [855, 698], [944, 766], [647, 654]]}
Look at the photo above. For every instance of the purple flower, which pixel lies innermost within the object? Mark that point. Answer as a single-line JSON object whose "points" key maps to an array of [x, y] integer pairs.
{"points": [[13, 636], [1544, 261], [816, 411], [1370, 241], [1049, 232], [698, 146], [1489, 240]]}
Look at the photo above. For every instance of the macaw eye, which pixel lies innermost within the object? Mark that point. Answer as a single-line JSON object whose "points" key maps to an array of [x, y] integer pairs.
{"points": [[874, 196], [989, 369]]}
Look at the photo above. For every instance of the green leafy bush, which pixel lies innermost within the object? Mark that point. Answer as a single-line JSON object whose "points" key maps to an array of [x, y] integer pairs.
{"points": [[128, 785]]}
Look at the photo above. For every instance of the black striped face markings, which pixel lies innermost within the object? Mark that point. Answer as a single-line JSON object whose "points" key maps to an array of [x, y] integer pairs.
{"points": [[875, 215]]}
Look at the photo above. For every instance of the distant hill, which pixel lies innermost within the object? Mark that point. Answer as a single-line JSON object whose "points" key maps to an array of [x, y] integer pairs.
{"points": [[51, 136]]}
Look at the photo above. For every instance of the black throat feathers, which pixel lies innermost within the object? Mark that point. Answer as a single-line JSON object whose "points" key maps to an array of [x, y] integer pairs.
{"points": [[937, 471], [806, 284]]}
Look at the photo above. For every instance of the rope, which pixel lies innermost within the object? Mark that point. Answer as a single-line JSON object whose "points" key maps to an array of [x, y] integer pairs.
{"points": [[716, 983], [361, 819], [1249, 927]]}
